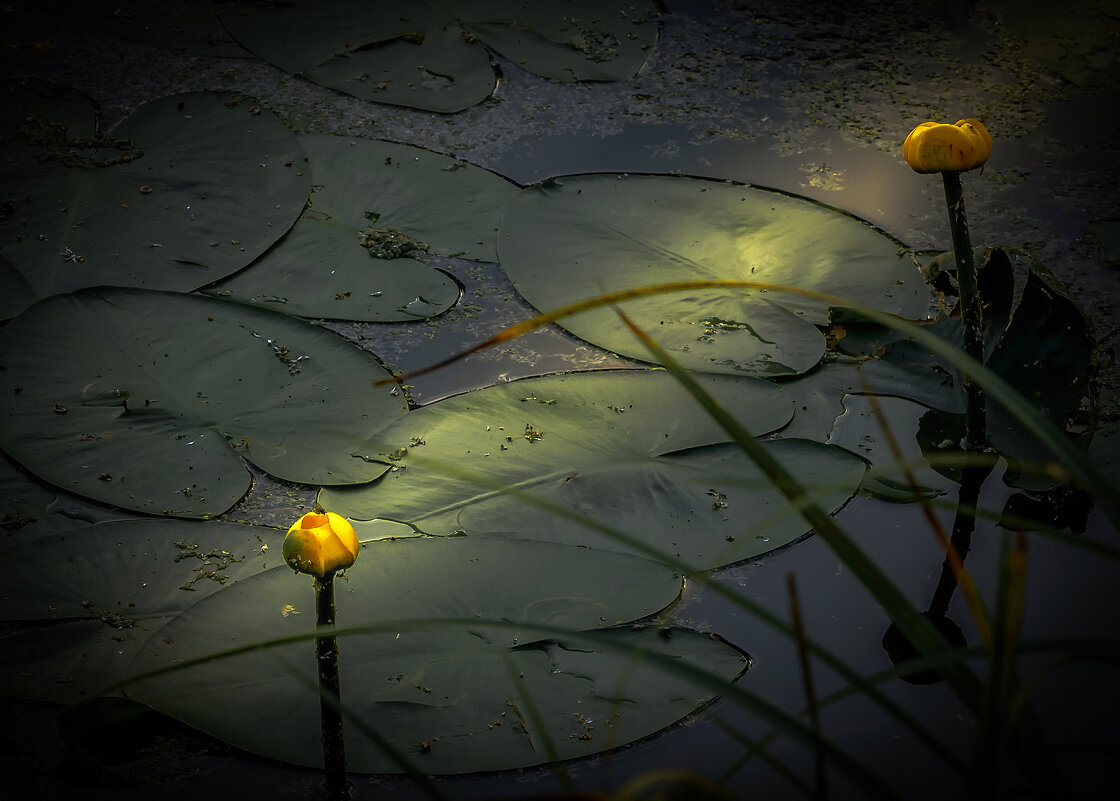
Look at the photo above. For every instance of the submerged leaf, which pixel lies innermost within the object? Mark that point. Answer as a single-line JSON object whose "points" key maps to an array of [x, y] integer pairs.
{"points": [[374, 204], [627, 448], [150, 400], [454, 698], [586, 235], [1036, 338], [432, 54], [186, 190]]}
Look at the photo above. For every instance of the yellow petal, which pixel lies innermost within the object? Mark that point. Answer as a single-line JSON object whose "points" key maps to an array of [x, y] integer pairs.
{"points": [[981, 130], [909, 143]]}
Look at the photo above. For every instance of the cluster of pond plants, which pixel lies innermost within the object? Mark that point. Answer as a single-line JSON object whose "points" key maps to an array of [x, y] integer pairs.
{"points": [[164, 286]]}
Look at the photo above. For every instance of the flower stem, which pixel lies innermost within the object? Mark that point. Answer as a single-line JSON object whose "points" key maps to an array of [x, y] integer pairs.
{"points": [[330, 699], [971, 314]]}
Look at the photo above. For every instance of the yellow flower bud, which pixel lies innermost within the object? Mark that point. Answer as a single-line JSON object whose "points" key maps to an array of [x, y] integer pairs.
{"points": [[320, 543], [934, 147]]}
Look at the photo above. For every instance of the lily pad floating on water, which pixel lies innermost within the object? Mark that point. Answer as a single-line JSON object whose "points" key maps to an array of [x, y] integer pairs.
{"points": [[374, 205], [111, 586], [186, 190], [190, 26], [577, 237], [432, 54], [30, 509], [452, 697], [150, 400], [15, 292], [630, 449]]}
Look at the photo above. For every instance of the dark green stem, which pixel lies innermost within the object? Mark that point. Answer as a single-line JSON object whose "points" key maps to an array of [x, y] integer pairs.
{"points": [[971, 315], [330, 698]]}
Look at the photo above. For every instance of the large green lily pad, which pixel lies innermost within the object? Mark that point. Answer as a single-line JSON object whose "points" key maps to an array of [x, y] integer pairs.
{"points": [[190, 26], [374, 205], [111, 586], [15, 292], [578, 237], [432, 54], [630, 449], [186, 190], [30, 509], [452, 699], [150, 400]]}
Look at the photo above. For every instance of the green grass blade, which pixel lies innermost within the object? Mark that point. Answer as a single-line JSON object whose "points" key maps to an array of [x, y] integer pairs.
{"points": [[913, 625]]}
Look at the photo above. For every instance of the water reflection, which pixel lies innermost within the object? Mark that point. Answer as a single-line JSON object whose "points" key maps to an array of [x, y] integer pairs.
{"points": [[897, 646]]}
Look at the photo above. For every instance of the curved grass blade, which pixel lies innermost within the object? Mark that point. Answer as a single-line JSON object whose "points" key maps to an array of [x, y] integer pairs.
{"points": [[898, 607]]}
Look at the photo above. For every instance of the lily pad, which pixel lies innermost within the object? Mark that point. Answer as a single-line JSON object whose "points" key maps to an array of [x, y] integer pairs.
{"points": [[455, 698], [628, 448], [432, 54], [860, 429], [186, 190], [150, 400], [30, 509], [578, 237], [15, 292], [373, 204], [190, 26], [112, 585]]}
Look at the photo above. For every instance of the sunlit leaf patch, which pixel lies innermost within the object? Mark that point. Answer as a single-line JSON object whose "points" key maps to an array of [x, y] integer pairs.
{"points": [[575, 237], [629, 449]]}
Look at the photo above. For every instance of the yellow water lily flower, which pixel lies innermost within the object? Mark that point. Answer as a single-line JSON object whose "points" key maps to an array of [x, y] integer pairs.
{"points": [[319, 543], [938, 147]]}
